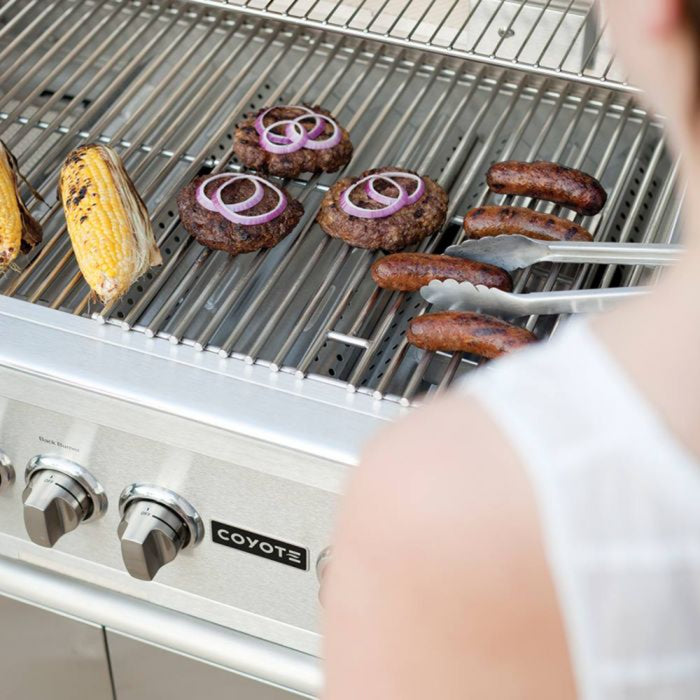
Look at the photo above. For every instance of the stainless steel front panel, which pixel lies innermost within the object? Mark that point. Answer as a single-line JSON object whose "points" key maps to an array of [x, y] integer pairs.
{"points": [[145, 672], [44, 655], [186, 635], [249, 592]]}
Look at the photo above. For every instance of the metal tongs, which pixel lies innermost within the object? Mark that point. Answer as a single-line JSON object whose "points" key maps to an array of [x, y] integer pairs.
{"points": [[512, 252], [464, 296]]}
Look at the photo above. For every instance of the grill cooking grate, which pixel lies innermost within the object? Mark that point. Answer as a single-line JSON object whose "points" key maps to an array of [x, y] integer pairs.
{"points": [[549, 37], [166, 84]]}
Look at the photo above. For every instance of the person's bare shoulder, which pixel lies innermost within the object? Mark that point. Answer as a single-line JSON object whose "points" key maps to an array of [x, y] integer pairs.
{"points": [[439, 585]]}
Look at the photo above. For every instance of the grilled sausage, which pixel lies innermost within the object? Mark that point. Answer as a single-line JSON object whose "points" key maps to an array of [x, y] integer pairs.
{"points": [[556, 183], [493, 221], [408, 272], [465, 331]]}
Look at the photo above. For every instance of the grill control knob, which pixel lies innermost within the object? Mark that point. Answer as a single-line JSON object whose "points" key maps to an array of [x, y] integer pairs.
{"points": [[59, 495], [156, 524], [7, 472]]}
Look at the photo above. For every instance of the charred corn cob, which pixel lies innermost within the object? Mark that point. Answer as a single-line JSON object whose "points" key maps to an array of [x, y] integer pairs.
{"points": [[107, 221], [19, 230]]}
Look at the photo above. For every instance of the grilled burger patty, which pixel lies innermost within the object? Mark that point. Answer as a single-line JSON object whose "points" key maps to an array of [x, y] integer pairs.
{"points": [[251, 154], [213, 230], [406, 227]]}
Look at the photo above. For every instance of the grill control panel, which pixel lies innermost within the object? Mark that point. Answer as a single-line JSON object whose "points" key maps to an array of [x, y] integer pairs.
{"points": [[137, 515]]}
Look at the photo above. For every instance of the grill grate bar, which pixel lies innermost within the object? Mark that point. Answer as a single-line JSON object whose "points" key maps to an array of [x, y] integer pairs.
{"points": [[477, 167], [365, 257], [169, 98], [378, 159], [59, 238], [138, 308], [260, 297], [548, 37], [226, 305], [556, 270]]}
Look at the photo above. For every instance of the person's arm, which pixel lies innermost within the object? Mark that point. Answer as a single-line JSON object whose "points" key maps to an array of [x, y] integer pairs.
{"points": [[438, 587]]}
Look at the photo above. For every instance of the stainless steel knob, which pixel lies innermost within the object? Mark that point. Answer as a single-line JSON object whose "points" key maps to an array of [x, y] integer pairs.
{"points": [[324, 559], [7, 472], [59, 495], [322, 564], [156, 524]]}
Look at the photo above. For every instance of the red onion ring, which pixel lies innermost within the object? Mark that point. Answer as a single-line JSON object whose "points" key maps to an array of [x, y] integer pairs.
{"points": [[246, 204], [333, 140], [231, 211], [296, 136], [318, 118], [384, 199], [294, 142], [391, 204], [260, 121]]}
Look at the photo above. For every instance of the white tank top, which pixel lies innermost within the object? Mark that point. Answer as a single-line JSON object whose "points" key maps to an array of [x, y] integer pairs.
{"points": [[619, 501]]}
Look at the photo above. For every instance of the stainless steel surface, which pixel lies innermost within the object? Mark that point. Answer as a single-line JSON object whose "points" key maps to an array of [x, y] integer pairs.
{"points": [[252, 483], [54, 505], [324, 559], [92, 487], [515, 252], [248, 385], [307, 308], [7, 472], [464, 296], [547, 37], [156, 524], [183, 634], [52, 354], [151, 536], [183, 509], [145, 672], [45, 655]]}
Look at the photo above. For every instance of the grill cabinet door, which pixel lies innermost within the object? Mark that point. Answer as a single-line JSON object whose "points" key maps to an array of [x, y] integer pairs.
{"points": [[145, 672], [46, 655]]}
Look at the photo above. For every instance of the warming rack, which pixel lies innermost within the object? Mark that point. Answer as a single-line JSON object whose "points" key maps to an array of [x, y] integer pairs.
{"points": [[165, 83], [556, 38]]}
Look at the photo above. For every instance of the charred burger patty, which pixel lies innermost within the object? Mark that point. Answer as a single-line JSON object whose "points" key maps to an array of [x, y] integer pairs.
{"points": [[251, 153], [213, 230], [403, 228]]}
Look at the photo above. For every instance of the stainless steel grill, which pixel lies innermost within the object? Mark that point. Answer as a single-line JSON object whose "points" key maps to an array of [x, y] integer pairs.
{"points": [[151, 401], [166, 82]]}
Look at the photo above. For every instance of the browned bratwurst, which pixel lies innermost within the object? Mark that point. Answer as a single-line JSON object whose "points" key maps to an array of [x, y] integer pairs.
{"points": [[494, 221], [556, 183], [408, 272], [466, 331]]}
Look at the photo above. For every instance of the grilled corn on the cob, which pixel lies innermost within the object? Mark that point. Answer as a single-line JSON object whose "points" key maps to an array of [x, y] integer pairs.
{"points": [[19, 231], [107, 221]]}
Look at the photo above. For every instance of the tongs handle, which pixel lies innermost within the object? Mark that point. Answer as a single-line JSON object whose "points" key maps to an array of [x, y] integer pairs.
{"points": [[579, 301], [464, 296], [614, 253]]}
